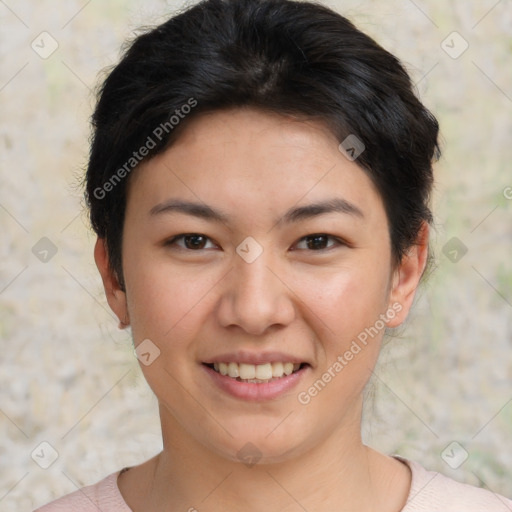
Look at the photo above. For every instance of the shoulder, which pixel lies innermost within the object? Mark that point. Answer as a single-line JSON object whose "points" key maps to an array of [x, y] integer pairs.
{"points": [[103, 495], [432, 491]]}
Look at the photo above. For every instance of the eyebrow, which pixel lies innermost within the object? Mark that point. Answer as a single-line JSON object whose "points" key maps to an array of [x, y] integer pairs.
{"points": [[296, 214]]}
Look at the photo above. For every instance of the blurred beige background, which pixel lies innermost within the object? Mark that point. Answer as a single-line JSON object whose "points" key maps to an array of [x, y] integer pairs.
{"points": [[68, 376]]}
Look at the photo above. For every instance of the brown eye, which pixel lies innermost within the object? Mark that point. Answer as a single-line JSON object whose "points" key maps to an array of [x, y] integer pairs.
{"points": [[191, 241], [318, 242]]}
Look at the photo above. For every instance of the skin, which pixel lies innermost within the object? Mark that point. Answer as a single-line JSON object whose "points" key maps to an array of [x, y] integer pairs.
{"points": [[195, 304]]}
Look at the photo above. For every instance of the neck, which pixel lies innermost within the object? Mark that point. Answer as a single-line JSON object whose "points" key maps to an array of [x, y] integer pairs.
{"points": [[340, 473]]}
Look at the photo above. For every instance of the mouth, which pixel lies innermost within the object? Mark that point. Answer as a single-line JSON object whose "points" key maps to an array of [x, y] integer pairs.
{"points": [[256, 373]]}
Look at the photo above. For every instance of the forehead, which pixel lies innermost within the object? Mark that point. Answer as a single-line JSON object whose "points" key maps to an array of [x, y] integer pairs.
{"points": [[271, 126], [246, 157]]}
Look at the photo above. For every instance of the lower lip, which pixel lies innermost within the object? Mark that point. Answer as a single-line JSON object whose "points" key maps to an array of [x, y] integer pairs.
{"points": [[251, 391]]}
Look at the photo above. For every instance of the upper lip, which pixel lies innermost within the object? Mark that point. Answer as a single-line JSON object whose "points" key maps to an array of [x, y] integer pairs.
{"points": [[246, 357]]}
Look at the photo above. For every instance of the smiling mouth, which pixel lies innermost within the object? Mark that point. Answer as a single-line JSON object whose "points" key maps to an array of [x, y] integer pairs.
{"points": [[256, 373]]}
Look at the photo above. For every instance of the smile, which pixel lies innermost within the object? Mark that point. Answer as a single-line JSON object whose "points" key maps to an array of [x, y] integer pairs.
{"points": [[256, 373], [256, 382]]}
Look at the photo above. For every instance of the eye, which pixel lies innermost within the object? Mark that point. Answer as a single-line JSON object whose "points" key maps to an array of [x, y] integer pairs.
{"points": [[318, 242], [191, 241], [197, 242]]}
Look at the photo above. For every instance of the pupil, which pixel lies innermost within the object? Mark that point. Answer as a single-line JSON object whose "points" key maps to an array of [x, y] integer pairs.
{"points": [[317, 242], [192, 240]]}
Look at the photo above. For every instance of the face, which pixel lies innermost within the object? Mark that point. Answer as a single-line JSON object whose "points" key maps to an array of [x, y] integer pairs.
{"points": [[254, 247]]}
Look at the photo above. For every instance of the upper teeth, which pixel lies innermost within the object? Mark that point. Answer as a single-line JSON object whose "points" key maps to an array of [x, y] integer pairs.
{"points": [[256, 371]]}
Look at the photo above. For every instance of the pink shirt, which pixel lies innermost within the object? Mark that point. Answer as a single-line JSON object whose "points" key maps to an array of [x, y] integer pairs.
{"points": [[430, 492]]}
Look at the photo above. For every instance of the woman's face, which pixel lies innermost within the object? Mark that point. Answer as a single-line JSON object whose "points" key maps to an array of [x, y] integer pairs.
{"points": [[287, 259]]}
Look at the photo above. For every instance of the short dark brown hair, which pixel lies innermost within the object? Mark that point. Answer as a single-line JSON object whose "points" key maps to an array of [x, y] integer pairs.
{"points": [[295, 58]]}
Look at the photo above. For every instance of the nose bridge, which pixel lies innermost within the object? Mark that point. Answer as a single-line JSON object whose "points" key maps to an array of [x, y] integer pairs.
{"points": [[252, 278], [255, 298]]}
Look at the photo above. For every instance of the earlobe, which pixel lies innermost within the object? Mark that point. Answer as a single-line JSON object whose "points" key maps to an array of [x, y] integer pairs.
{"points": [[407, 276], [116, 296]]}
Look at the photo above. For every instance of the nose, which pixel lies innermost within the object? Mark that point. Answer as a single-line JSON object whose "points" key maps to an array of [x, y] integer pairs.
{"points": [[255, 297]]}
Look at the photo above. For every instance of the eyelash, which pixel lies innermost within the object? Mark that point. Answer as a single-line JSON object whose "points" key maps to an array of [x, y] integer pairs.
{"points": [[339, 241]]}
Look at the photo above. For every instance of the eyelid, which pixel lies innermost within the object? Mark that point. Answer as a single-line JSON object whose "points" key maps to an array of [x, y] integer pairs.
{"points": [[339, 241], [172, 241]]}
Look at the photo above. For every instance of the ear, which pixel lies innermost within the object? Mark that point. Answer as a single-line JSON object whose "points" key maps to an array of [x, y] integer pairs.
{"points": [[116, 297], [406, 277]]}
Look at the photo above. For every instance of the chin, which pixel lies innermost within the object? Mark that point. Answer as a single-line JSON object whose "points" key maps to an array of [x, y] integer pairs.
{"points": [[262, 443]]}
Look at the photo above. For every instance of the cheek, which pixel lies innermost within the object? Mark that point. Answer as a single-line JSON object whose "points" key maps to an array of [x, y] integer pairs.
{"points": [[163, 301], [167, 307], [346, 314], [346, 301], [346, 311]]}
